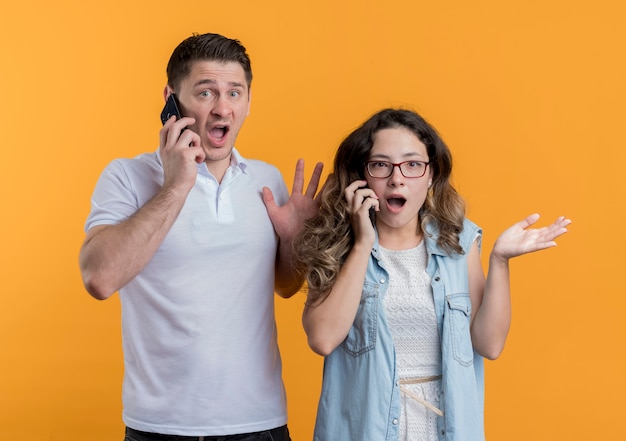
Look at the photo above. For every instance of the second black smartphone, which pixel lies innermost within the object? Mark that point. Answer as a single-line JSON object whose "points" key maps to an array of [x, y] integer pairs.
{"points": [[171, 108]]}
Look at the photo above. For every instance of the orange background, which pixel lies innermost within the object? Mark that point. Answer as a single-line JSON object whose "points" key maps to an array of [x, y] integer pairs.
{"points": [[529, 96]]}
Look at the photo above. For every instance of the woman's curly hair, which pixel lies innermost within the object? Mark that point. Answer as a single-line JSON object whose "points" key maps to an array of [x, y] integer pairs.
{"points": [[327, 238]]}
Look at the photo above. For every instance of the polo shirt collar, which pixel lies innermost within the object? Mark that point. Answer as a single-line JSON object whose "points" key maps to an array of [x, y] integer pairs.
{"points": [[236, 160]]}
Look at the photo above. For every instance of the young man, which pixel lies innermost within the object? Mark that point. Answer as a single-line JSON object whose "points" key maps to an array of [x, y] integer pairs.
{"points": [[196, 239]]}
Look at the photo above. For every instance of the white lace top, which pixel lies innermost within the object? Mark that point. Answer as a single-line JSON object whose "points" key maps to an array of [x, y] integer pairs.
{"points": [[410, 312]]}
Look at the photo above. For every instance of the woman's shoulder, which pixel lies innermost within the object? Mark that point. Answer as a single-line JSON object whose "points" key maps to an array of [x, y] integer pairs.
{"points": [[469, 225], [469, 234]]}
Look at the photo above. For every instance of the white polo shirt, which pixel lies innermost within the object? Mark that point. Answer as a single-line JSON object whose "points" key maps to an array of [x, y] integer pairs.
{"points": [[199, 334]]}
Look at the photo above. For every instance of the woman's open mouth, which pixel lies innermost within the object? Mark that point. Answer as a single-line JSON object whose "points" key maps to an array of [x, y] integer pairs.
{"points": [[395, 203]]}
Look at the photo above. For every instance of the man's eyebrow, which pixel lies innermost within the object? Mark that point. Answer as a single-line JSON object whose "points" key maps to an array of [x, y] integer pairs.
{"points": [[204, 82], [210, 81]]}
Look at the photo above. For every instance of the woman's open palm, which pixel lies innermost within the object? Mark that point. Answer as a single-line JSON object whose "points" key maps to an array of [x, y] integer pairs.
{"points": [[521, 239]]}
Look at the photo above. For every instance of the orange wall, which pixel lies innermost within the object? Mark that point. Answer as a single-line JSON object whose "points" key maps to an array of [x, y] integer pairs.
{"points": [[529, 95]]}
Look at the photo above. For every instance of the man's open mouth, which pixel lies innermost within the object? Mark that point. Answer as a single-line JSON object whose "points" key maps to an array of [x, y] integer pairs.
{"points": [[218, 132]]}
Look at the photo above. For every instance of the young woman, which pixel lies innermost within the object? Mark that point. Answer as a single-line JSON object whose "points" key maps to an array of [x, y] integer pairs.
{"points": [[397, 299]]}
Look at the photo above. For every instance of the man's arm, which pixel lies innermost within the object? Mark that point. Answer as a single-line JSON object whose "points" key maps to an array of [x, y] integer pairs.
{"points": [[112, 255], [288, 221]]}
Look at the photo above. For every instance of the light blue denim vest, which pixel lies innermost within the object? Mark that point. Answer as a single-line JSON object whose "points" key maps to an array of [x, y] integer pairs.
{"points": [[360, 399]]}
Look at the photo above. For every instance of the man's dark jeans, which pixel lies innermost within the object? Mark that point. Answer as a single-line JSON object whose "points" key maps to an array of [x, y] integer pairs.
{"points": [[278, 434]]}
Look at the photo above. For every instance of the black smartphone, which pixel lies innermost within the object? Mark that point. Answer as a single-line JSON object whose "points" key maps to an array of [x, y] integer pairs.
{"points": [[171, 108], [373, 216]]}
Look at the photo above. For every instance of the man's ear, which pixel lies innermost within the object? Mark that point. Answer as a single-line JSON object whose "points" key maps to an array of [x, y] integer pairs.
{"points": [[167, 92], [249, 101]]}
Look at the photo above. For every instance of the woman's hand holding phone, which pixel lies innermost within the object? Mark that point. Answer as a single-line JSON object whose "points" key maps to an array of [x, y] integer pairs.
{"points": [[361, 200]]}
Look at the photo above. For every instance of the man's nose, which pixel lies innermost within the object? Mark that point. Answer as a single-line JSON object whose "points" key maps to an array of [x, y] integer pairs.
{"points": [[222, 107]]}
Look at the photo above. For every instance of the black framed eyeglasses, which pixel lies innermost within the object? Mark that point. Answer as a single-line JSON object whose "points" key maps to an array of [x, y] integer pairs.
{"points": [[384, 169]]}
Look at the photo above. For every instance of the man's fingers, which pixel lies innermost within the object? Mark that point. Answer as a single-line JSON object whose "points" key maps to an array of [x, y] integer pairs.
{"points": [[315, 180], [268, 198], [298, 179]]}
